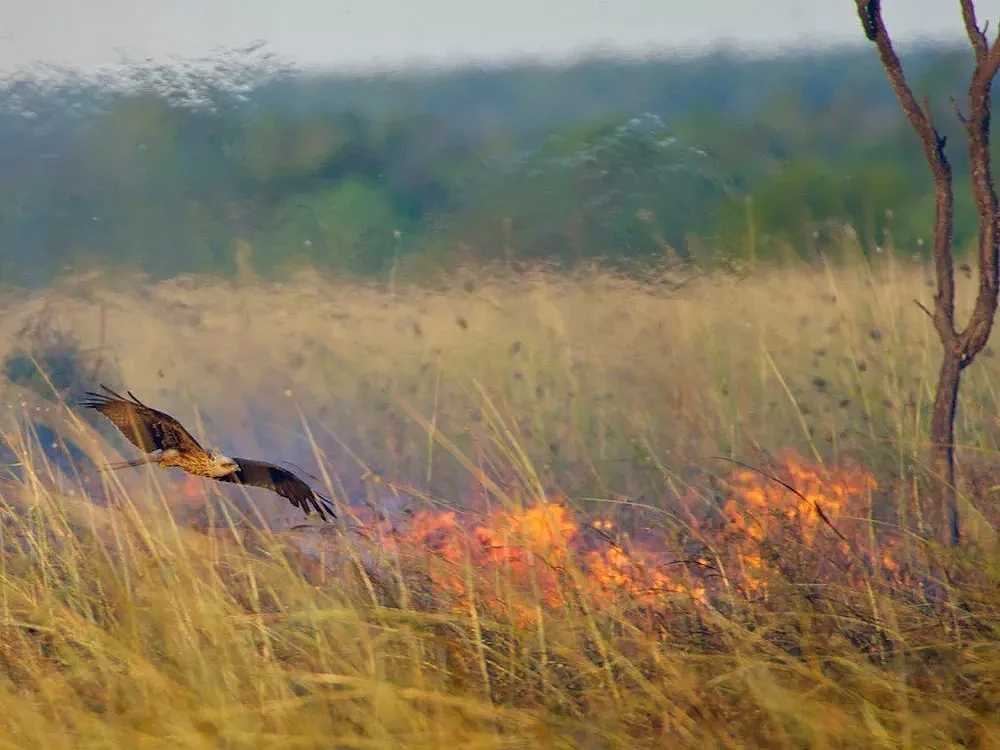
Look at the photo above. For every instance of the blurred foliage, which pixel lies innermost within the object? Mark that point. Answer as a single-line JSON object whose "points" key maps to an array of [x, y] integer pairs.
{"points": [[173, 169], [48, 359], [598, 191]]}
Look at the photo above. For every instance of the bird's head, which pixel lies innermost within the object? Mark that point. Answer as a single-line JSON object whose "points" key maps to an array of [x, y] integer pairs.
{"points": [[223, 465]]}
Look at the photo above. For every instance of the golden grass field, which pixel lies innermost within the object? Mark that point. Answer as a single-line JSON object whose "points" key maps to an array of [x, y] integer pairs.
{"points": [[547, 551]]}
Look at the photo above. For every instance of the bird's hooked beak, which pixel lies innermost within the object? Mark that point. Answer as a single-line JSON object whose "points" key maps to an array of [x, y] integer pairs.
{"points": [[226, 464]]}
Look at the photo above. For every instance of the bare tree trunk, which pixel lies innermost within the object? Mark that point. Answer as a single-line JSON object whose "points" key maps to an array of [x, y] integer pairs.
{"points": [[960, 347], [943, 450]]}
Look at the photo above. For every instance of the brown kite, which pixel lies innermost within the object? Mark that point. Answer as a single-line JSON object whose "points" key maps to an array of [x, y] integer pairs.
{"points": [[167, 443]]}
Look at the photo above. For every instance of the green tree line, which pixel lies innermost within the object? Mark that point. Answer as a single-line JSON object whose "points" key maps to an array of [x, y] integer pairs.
{"points": [[184, 169]]}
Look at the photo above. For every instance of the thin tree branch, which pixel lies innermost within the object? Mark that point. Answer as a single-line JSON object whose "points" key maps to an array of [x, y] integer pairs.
{"points": [[985, 73], [977, 332], [933, 143], [977, 37], [869, 12], [922, 307], [958, 112]]}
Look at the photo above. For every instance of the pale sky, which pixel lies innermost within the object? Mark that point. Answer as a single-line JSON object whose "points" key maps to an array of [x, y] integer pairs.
{"points": [[389, 34]]}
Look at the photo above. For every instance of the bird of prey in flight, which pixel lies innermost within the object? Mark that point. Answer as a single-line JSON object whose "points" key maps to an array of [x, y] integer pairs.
{"points": [[166, 443]]}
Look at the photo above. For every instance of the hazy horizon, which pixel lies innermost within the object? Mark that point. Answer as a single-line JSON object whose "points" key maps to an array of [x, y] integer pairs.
{"points": [[386, 35]]}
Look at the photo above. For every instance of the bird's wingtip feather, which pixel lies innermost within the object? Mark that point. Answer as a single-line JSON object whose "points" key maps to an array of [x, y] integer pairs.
{"points": [[323, 503], [93, 400], [117, 396], [135, 399]]}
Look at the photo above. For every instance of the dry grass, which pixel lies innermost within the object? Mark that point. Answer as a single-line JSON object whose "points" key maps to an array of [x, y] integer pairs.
{"points": [[124, 624]]}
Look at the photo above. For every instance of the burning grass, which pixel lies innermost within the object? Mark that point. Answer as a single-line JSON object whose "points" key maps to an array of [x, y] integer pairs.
{"points": [[543, 552]]}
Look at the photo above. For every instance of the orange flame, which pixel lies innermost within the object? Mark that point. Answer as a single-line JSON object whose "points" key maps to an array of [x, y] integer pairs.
{"points": [[515, 560]]}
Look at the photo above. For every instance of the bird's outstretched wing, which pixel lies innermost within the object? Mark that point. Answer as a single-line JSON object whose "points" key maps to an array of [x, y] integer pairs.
{"points": [[146, 428], [282, 482]]}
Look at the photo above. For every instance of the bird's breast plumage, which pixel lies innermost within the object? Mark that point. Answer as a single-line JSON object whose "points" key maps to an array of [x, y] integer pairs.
{"points": [[196, 463]]}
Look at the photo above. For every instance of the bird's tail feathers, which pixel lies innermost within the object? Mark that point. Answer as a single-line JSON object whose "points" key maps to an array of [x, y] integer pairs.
{"points": [[149, 459]]}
